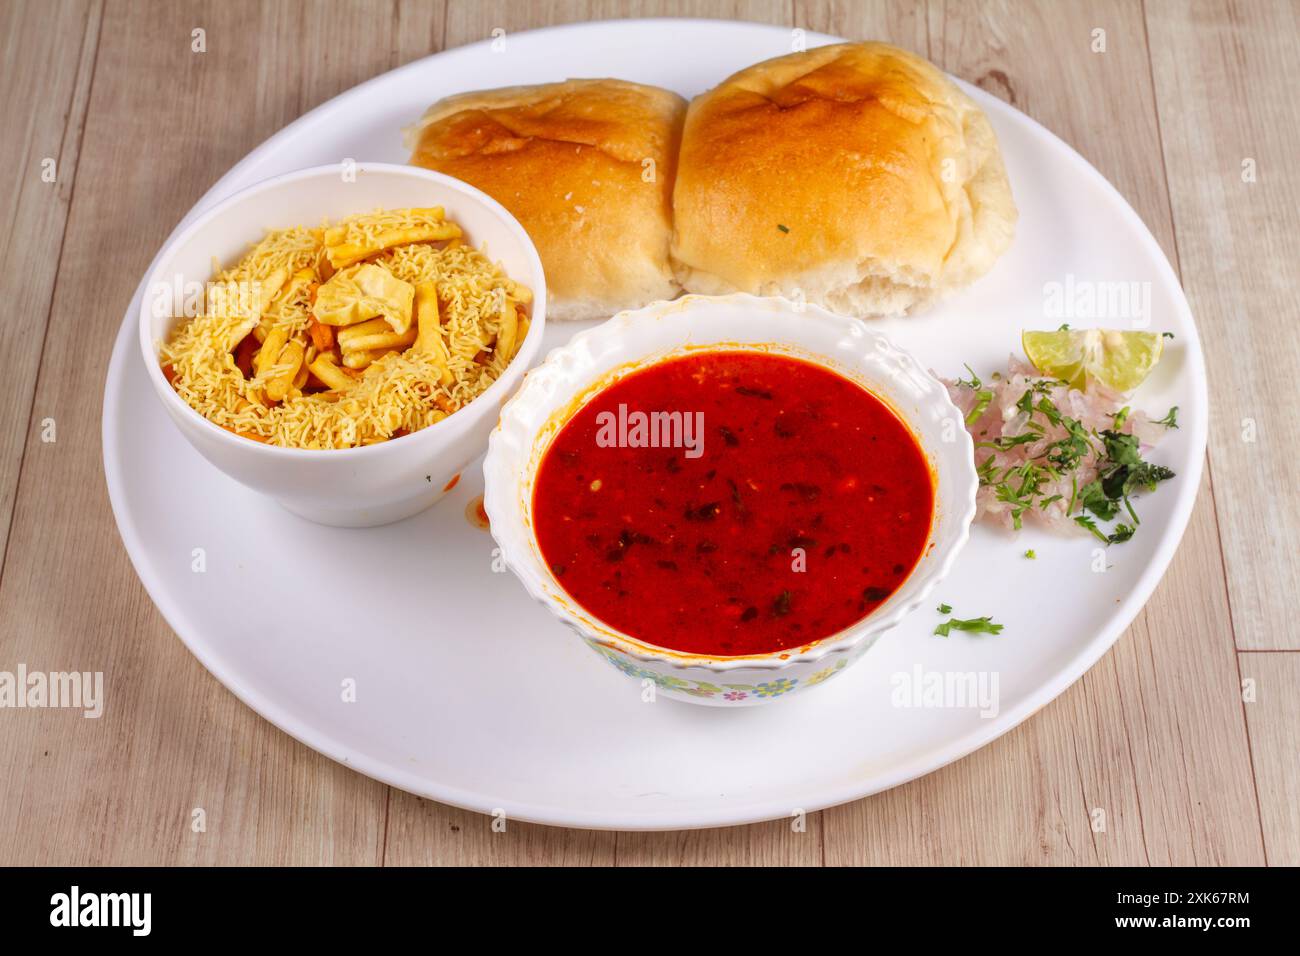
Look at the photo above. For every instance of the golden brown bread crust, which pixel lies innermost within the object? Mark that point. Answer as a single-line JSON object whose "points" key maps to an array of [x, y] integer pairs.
{"points": [[856, 176], [586, 166]]}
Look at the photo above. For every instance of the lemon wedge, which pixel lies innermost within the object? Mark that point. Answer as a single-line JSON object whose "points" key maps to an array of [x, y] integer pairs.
{"points": [[1120, 360]]}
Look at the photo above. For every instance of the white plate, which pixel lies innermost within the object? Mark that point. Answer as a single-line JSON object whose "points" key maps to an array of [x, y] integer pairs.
{"points": [[536, 725]]}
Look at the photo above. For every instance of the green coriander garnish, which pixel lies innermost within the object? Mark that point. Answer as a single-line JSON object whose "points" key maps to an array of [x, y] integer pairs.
{"points": [[975, 625], [1114, 454], [982, 399], [783, 228], [944, 609], [982, 396], [1030, 554], [974, 382], [1122, 532], [1086, 522]]}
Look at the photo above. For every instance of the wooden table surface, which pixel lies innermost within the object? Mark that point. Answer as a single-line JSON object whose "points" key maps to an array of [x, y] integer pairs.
{"points": [[1191, 111]]}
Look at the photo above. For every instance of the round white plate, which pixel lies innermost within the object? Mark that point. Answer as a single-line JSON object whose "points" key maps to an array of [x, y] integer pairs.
{"points": [[469, 693]]}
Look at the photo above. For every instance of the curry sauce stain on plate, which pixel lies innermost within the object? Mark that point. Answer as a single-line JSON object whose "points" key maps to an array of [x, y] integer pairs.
{"points": [[475, 513]]}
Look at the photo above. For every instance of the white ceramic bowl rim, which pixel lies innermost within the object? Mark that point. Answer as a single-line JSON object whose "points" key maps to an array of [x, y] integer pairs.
{"points": [[503, 473], [255, 449]]}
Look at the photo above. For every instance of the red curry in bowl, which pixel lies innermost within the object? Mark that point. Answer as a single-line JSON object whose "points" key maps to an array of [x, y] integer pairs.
{"points": [[731, 502]]}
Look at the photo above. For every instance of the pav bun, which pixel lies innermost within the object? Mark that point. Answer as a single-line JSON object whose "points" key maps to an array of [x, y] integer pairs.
{"points": [[855, 176], [586, 166]]}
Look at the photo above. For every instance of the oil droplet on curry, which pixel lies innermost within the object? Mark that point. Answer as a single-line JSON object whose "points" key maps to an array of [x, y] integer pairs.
{"points": [[771, 503]]}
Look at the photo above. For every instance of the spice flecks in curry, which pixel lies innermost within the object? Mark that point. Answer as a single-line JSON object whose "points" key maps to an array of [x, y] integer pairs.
{"points": [[804, 507]]}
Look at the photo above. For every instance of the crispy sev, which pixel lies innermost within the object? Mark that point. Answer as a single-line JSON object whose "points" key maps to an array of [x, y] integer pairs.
{"points": [[347, 335]]}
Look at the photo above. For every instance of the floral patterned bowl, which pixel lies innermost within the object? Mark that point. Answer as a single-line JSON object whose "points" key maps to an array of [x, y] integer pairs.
{"points": [[554, 390]]}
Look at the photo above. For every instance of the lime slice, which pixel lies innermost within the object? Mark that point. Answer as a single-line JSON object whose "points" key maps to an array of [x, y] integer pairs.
{"points": [[1120, 360]]}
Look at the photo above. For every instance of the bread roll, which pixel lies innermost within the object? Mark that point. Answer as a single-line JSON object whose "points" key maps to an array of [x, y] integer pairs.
{"points": [[856, 176], [586, 166]]}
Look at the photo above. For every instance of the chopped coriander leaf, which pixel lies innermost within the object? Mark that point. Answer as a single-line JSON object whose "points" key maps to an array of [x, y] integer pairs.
{"points": [[1145, 476], [1121, 448], [783, 228], [1003, 443], [975, 625], [1065, 327], [1066, 453], [1123, 473], [974, 382], [1170, 420], [1057, 448], [1048, 409], [944, 609], [1092, 497], [1167, 335], [1112, 482], [1020, 496], [1128, 506], [982, 399], [1086, 522], [985, 470], [1030, 554]]}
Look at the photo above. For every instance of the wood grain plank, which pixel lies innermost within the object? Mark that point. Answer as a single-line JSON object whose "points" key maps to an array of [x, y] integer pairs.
{"points": [[777, 843], [424, 833], [469, 21], [1269, 682], [49, 54], [1179, 692], [1225, 80], [900, 22], [1100, 103], [1152, 736], [418, 30], [163, 123]]}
